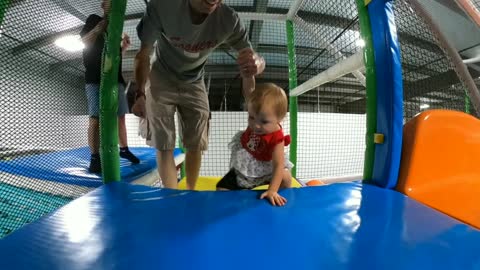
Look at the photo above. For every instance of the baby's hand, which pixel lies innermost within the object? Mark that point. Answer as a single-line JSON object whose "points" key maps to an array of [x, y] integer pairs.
{"points": [[274, 198]]}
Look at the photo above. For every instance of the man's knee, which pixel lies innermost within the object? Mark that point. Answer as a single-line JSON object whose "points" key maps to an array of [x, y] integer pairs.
{"points": [[195, 132], [193, 152], [165, 153]]}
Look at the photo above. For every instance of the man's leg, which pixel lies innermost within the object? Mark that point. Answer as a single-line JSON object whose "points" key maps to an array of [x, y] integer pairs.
{"points": [[194, 117], [122, 141], [167, 169], [92, 91], [93, 135], [122, 132], [161, 103], [122, 128], [193, 160], [94, 144]]}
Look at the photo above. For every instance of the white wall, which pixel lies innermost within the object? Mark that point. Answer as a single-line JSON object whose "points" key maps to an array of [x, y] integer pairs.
{"points": [[330, 144]]}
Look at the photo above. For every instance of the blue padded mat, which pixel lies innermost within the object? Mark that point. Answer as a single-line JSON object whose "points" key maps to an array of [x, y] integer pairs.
{"points": [[71, 166], [341, 226]]}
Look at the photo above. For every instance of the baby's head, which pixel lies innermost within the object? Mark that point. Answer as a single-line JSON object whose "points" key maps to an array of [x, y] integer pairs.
{"points": [[267, 106]]}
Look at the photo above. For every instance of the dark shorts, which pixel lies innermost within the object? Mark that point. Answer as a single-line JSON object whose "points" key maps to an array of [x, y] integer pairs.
{"points": [[229, 181]]}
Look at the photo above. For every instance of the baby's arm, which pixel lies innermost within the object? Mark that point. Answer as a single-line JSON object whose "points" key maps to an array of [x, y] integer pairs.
{"points": [[278, 172], [248, 85]]}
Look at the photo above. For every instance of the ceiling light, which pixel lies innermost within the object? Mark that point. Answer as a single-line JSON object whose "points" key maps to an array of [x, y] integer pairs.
{"points": [[424, 106], [360, 43], [71, 43]]}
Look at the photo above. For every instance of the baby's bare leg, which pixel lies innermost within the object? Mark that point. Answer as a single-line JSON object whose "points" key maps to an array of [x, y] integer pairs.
{"points": [[286, 179]]}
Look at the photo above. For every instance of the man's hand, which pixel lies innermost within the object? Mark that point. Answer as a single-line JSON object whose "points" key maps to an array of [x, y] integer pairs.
{"points": [[142, 68], [274, 198], [138, 108], [250, 63]]}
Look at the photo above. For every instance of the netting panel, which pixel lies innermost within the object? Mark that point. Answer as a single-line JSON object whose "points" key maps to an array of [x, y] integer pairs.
{"points": [[332, 123], [476, 3], [43, 105], [36, 103], [429, 78]]}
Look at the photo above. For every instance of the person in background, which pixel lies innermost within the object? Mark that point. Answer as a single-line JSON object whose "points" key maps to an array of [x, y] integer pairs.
{"points": [[92, 36]]}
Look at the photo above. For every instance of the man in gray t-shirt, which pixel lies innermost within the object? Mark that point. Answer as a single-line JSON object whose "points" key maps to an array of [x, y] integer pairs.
{"points": [[186, 32]]}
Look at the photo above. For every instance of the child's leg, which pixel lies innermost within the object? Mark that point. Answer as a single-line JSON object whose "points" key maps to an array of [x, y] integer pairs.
{"points": [[286, 179]]}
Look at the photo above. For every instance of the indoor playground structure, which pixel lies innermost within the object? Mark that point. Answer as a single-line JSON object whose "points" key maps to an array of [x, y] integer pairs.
{"points": [[383, 115]]}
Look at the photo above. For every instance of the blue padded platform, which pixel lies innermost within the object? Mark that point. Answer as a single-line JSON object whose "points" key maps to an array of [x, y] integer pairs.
{"points": [[71, 166], [341, 226]]}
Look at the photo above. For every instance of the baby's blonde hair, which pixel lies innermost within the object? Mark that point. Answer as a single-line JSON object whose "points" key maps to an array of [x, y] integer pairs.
{"points": [[269, 94]]}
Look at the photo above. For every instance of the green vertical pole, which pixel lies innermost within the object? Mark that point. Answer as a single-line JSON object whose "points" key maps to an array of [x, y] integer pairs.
{"points": [[292, 79], [3, 9], [183, 173], [467, 103], [369, 58], [109, 94]]}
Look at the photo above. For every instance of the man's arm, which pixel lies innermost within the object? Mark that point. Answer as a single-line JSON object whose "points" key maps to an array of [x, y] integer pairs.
{"points": [[142, 67], [148, 29], [250, 62], [90, 36]]}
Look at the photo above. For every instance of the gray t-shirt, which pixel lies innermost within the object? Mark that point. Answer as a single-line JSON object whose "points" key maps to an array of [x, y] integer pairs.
{"points": [[183, 47]]}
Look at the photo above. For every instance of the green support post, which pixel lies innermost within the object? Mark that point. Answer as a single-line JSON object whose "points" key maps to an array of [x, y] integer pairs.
{"points": [[292, 79], [183, 173], [3, 9], [109, 92], [371, 81]]}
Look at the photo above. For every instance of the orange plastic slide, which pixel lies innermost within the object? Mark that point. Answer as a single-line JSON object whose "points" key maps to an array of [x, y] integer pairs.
{"points": [[440, 164]]}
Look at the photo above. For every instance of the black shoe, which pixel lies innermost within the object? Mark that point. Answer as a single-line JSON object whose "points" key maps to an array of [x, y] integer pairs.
{"points": [[125, 153], [95, 164]]}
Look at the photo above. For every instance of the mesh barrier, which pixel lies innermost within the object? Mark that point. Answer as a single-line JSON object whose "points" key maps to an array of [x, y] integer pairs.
{"points": [[331, 125], [430, 80], [476, 3], [40, 105], [44, 106]]}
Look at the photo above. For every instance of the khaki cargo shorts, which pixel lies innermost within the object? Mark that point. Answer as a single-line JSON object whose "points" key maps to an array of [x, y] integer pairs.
{"points": [[164, 96]]}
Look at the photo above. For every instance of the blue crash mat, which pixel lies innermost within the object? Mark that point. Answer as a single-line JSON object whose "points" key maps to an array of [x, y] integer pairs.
{"points": [[341, 226], [71, 166]]}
